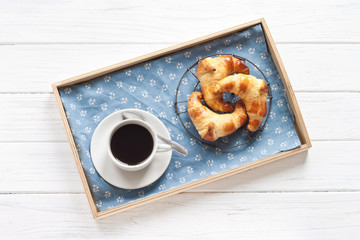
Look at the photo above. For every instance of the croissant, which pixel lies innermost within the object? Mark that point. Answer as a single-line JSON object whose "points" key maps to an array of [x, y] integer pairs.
{"points": [[210, 71], [252, 91], [211, 125]]}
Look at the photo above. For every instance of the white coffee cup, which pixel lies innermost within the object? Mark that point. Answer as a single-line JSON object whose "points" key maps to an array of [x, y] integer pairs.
{"points": [[157, 147]]}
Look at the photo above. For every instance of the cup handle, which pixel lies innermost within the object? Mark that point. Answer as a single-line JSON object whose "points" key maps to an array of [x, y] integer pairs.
{"points": [[163, 148]]}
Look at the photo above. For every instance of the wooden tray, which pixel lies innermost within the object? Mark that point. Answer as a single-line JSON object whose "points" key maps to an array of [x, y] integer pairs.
{"points": [[298, 123]]}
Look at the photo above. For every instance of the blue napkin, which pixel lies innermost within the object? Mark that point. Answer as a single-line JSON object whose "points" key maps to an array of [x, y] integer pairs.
{"points": [[151, 86]]}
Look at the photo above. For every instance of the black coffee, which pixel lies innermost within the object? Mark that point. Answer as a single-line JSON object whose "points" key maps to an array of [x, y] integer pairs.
{"points": [[131, 144]]}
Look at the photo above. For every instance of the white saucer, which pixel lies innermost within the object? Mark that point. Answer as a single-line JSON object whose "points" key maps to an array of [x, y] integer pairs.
{"points": [[114, 175]]}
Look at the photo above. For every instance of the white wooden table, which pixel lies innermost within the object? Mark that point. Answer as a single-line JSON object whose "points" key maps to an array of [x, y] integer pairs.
{"points": [[315, 195]]}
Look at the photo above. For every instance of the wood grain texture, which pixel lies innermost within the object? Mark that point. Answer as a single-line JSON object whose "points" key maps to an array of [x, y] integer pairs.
{"points": [[187, 216], [173, 21], [35, 117], [50, 167], [309, 66]]}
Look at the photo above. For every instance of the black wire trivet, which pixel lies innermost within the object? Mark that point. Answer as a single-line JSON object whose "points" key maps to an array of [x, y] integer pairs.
{"points": [[242, 135]]}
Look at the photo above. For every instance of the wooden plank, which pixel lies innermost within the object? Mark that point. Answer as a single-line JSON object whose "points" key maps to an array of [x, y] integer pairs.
{"points": [[30, 117], [19, 123], [201, 215], [38, 167], [26, 169], [306, 65], [325, 67], [109, 21], [322, 112]]}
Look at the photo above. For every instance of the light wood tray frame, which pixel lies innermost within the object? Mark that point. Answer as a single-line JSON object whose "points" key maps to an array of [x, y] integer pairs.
{"points": [[299, 122]]}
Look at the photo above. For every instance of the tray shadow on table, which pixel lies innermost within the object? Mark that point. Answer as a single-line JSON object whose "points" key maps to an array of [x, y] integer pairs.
{"points": [[229, 184]]}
